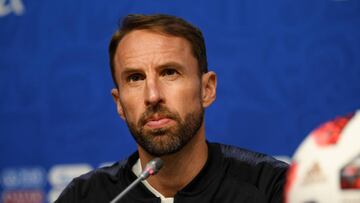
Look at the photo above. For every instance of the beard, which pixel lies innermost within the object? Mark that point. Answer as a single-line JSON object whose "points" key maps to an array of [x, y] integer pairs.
{"points": [[166, 140]]}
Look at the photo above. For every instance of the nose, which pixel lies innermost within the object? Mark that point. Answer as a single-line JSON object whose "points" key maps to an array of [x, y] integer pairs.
{"points": [[153, 93]]}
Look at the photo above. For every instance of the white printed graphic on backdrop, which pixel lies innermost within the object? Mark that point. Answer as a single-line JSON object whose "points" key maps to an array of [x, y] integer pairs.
{"points": [[11, 6]]}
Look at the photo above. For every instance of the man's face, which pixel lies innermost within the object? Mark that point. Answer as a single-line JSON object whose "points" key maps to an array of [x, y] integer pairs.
{"points": [[159, 91]]}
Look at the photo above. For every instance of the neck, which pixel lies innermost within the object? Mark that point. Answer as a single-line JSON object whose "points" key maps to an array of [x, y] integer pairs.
{"points": [[179, 168]]}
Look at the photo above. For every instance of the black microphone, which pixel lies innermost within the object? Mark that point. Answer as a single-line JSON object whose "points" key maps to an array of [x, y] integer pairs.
{"points": [[151, 168]]}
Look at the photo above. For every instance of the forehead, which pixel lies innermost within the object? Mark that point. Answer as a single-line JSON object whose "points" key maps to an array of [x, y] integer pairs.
{"points": [[143, 44]]}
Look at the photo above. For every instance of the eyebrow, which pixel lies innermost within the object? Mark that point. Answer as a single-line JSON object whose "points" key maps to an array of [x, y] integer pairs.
{"points": [[171, 64], [128, 70]]}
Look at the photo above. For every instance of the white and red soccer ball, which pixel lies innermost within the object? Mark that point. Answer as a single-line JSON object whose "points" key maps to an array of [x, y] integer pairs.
{"points": [[326, 166]]}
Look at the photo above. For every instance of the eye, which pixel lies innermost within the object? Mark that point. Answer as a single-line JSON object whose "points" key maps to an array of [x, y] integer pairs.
{"points": [[135, 77], [169, 72]]}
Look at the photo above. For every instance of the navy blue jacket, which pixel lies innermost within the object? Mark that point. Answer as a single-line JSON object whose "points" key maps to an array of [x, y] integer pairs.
{"points": [[230, 174]]}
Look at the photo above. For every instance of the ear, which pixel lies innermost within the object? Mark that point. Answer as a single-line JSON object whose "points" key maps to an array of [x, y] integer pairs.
{"points": [[209, 81], [120, 110]]}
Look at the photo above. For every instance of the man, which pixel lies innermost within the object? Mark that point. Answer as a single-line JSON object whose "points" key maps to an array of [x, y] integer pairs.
{"points": [[159, 67]]}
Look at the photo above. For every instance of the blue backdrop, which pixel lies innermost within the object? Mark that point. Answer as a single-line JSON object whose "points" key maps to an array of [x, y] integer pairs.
{"points": [[283, 68]]}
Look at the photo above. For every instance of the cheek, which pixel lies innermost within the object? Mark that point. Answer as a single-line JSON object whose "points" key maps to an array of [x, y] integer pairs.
{"points": [[185, 99], [132, 107]]}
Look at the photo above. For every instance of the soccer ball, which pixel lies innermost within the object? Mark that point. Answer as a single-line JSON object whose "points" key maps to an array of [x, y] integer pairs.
{"points": [[326, 166]]}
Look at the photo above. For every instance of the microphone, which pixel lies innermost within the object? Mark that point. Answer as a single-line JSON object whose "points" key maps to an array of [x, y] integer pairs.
{"points": [[151, 168]]}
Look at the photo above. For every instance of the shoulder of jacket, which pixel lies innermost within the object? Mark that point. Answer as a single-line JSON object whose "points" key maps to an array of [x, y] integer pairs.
{"points": [[109, 171], [251, 158], [80, 186]]}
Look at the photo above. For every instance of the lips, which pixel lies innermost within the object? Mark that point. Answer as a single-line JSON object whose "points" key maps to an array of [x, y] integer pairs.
{"points": [[158, 122]]}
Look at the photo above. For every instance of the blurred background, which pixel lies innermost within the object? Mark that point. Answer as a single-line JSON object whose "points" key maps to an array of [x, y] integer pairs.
{"points": [[283, 67]]}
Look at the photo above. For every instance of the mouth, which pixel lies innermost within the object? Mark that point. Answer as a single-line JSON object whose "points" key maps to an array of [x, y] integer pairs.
{"points": [[158, 122]]}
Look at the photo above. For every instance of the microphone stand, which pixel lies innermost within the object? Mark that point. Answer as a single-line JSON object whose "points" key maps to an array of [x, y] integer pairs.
{"points": [[131, 186], [151, 168]]}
